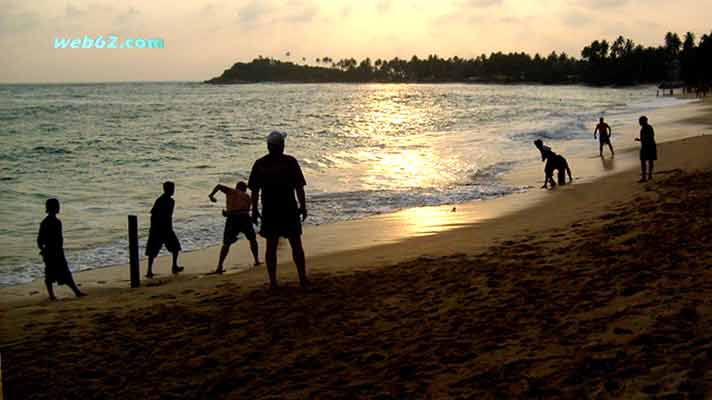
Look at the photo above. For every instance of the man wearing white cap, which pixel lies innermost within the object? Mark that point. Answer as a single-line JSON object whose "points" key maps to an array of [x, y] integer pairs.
{"points": [[277, 177]]}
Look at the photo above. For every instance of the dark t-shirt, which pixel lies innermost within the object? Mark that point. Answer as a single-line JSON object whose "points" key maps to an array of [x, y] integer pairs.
{"points": [[277, 176], [162, 212], [546, 153], [50, 235], [647, 136]]}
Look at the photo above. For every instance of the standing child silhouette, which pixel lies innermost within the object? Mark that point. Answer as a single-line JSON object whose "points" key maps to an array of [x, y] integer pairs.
{"points": [[51, 243]]}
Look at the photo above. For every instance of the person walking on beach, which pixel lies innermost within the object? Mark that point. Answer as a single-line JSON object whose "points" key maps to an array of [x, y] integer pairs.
{"points": [[238, 220], [554, 162], [648, 148], [161, 232], [277, 177], [51, 244], [604, 136]]}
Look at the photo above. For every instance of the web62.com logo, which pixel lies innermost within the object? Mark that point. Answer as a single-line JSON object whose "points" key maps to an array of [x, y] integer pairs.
{"points": [[110, 42]]}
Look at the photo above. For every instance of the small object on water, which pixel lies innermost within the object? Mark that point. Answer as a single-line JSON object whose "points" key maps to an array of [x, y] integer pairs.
{"points": [[454, 209]]}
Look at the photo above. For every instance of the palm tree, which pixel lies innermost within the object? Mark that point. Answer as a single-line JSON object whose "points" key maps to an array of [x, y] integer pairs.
{"points": [[672, 44]]}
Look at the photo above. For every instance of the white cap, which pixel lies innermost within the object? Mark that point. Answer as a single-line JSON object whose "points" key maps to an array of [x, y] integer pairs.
{"points": [[276, 137]]}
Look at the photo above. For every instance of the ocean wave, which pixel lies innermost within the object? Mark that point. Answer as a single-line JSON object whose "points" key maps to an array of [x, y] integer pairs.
{"points": [[51, 150], [490, 173], [575, 129]]}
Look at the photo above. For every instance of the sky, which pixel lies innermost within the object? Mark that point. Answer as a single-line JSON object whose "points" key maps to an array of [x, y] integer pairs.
{"points": [[203, 38]]}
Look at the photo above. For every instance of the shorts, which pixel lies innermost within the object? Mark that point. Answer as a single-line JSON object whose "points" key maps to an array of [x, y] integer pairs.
{"points": [[649, 153], [604, 140], [56, 267], [157, 238], [282, 223], [236, 224]]}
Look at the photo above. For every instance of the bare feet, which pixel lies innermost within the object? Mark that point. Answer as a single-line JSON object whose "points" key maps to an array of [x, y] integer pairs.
{"points": [[176, 269]]}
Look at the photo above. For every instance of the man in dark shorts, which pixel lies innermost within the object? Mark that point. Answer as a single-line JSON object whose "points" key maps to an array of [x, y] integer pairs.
{"points": [[237, 211], [604, 136], [161, 232], [51, 244], [648, 148], [554, 162], [277, 177]]}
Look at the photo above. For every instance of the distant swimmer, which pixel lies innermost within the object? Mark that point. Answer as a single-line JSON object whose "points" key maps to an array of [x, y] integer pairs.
{"points": [[554, 162], [51, 243], [237, 204], [648, 148], [161, 232], [277, 177], [604, 136]]}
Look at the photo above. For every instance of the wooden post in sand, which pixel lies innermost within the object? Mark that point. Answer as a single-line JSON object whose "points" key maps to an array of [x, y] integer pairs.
{"points": [[133, 252]]}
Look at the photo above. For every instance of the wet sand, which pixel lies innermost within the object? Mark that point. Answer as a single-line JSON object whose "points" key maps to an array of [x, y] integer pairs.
{"points": [[597, 290]]}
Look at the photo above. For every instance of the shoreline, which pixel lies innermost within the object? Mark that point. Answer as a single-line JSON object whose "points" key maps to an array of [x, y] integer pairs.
{"points": [[97, 239], [397, 228]]}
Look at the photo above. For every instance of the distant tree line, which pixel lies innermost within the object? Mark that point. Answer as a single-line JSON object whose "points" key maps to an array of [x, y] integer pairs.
{"points": [[621, 62]]}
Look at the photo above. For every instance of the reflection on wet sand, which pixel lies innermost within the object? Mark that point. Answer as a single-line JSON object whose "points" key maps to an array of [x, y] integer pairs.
{"points": [[414, 222], [608, 164]]}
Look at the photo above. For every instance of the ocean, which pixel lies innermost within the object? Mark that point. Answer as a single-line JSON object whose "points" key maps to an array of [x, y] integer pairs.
{"points": [[104, 149]]}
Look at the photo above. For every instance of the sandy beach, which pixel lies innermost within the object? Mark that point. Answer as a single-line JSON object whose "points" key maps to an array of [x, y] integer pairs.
{"points": [[596, 289]]}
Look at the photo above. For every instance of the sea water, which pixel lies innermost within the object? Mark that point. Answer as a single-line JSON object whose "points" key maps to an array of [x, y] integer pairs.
{"points": [[104, 149]]}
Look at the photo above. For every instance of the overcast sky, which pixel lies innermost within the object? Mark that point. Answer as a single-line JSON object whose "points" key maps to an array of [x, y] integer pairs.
{"points": [[202, 38]]}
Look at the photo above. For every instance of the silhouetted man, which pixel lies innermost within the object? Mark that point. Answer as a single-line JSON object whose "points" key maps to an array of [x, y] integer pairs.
{"points": [[51, 244], [237, 204], [277, 177], [604, 136], [161, 232], [554, 162], [648, 148]]}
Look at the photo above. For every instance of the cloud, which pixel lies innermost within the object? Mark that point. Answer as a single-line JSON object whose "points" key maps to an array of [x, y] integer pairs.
{"points": [[208, 10], [510, 20], [16, 19], [384, 6], [14, 22], [254, 12], [481, 3], [599, 4], [127, 17], [305, 15], [73, 12], [576, 19], [300, 11], [259, 12]]}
